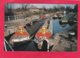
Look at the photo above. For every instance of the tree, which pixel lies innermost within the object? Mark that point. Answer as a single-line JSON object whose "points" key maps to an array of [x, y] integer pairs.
{"points": [[8, 10], [68, 9], [24, 6], [44, 8], [55, 9], [62, 8], [75, 8]]}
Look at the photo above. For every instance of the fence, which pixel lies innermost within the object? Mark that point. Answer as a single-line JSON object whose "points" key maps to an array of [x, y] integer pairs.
{"points": [[14, 17]]}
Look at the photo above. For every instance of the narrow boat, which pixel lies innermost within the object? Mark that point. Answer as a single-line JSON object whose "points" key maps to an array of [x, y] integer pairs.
{"points": [[20, 35], [42, 37]]}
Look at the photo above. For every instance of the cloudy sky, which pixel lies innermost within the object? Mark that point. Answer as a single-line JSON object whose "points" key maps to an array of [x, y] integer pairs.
{"points": [[14, 6]]}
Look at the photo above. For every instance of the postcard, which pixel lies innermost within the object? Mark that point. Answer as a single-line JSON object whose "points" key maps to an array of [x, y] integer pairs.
{"points": [[39, 29]]}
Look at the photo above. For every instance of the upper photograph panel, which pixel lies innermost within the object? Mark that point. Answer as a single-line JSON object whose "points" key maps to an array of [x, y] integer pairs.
{"points": [[40, 27]]}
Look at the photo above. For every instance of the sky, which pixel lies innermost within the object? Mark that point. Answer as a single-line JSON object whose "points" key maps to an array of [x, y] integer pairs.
{"points": [[15, 6]]}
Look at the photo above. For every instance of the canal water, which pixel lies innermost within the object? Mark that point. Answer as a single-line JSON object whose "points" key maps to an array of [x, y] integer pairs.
{"points": [[56, 27]]}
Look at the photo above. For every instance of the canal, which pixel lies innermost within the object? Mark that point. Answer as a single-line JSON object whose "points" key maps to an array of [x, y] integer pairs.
{"points": [[55, 27], [59, 28]]}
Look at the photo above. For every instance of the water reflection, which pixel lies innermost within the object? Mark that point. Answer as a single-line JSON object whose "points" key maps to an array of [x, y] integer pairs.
{"points": [[59, 28]]}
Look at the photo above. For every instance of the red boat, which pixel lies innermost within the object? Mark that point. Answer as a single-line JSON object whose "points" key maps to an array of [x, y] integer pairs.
{"points": [[20, 35], [44, 32], [43, 35]]}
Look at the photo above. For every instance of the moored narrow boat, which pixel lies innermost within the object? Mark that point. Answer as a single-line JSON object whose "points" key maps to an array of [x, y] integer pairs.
{"points": [[19, 36]]}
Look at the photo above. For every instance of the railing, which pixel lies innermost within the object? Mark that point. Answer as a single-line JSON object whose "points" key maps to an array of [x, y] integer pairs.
{"points": [[14, 17]]}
